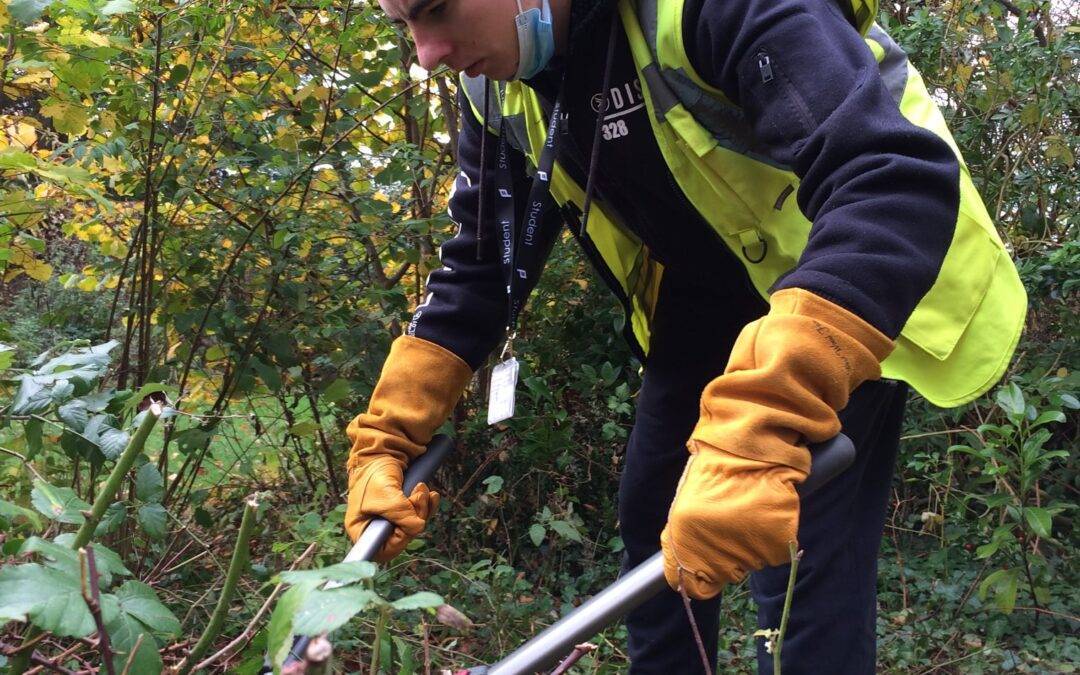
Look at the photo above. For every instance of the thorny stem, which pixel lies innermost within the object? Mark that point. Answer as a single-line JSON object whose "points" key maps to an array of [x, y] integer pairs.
{"points": [[693, 625], [796, 556], [376, 648], [236, 566], [92, 595]]}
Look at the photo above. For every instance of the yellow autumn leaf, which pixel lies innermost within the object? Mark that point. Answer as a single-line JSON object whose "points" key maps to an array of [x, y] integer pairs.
{"points": [[35, 269], [68, 118], [380, 196]]}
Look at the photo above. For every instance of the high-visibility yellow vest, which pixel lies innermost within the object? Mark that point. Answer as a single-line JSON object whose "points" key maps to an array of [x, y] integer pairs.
{"points": [[962, 334]]}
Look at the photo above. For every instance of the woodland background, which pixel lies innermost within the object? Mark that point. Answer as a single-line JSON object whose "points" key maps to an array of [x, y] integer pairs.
{"points": [[231, 207]]}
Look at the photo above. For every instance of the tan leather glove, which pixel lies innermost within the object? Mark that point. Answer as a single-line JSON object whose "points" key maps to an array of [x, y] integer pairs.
{"points": [[420, 384], [790, 372]]}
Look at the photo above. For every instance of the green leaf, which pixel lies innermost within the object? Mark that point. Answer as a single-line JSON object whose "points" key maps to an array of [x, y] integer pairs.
{"points": [[537, 533], [27, 11], [33, 395], [149, 486], [304, 428], [566, 530], [74, 415], [58, 503], [178, 73], [152, 518], [32, 431], [280, 631], [11, 511], [1011, 399], [344, 572], [113, 518], [7, 352], [421, 600], [494, 484], [107, 562], [114, 7], [124, 632], [16, 159], [1039, 520], [1049, 416], [113, 441], [62, 391], [50, 598], [337, 390], [327, 610], [139, 600], [144, 391], [1004, 584]]}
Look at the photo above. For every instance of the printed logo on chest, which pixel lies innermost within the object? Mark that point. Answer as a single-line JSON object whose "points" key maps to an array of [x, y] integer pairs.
{"points": [[622, 100]]}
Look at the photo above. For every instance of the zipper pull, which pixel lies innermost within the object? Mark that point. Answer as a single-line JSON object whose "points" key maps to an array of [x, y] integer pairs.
{"points": [[765, 68]]}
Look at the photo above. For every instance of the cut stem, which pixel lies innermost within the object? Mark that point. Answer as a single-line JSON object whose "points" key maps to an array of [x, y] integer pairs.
{"points": [[232, 577], [796, 556]]}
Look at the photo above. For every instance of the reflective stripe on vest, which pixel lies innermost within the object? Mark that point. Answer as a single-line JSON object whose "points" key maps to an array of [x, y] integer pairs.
{"points": [[961, 336]]}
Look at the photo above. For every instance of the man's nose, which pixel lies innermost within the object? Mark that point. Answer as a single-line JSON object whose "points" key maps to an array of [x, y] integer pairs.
{"points": [[431, 49]]}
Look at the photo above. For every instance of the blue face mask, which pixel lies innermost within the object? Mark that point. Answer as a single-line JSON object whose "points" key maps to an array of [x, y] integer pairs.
{"points": [[536, 40]]}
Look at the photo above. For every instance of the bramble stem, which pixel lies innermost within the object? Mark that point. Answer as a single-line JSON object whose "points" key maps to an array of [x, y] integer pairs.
{"points": [[232, 577], [796, 556]]}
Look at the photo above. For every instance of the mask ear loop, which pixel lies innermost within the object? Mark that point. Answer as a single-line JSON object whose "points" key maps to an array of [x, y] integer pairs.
{"points": [[483, 170]]}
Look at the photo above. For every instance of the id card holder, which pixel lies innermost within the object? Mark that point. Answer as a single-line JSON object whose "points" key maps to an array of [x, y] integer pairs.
{"points": [[501, 393]]}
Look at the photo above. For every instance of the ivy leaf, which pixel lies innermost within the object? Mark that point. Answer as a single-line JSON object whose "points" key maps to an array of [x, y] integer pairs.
{"points": [[152, 518], [149, 486], [58, 503], [421, 600], [344, 572], [324, 611]]}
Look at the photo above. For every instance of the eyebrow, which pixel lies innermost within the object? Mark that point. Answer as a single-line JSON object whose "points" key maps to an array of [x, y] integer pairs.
{"points": [[414, 11]]}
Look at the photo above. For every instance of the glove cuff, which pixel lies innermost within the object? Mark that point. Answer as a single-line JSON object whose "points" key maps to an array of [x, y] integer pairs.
{"points": [[789, 373], [420, 384]]}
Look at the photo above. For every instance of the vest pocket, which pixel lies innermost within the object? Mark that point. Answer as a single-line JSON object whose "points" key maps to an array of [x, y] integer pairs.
{"points": [[943, 314]]}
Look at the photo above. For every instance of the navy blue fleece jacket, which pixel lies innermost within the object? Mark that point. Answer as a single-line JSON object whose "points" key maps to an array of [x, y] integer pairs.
{"points": [[882, 193]]}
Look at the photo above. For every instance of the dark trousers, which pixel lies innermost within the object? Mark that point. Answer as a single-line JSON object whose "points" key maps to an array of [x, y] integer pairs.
{"points": [[833, 616]]}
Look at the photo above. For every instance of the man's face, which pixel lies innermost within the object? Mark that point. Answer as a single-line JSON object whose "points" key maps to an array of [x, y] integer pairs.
{"points": [[475, 36]]}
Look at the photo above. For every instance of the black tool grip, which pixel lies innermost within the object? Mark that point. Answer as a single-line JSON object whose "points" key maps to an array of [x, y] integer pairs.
{"points": [[827, 461]]}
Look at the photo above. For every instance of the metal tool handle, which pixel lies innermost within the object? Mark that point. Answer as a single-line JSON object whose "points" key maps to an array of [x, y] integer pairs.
{"points": [[379, 529], [545, 650]]}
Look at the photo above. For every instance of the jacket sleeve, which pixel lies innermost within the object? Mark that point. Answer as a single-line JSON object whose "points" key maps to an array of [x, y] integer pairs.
{"points": [[881, 192], [465, 307]]}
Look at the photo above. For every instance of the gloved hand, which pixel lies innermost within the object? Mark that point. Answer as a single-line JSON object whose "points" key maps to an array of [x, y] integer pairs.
{"points": [[790, 372], [420, 384]]}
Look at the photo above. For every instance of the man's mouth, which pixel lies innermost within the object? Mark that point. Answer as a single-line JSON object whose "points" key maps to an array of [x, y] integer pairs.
{"points": [[474, 69]]}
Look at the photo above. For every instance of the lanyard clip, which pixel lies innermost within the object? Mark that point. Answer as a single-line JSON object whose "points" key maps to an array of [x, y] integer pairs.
{"points": [[508, 347]]}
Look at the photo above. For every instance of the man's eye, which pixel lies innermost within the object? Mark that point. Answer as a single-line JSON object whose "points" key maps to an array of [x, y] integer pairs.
{"points": [[437, 11]]}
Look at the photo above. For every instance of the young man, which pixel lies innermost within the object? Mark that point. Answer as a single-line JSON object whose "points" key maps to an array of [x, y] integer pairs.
{"points": [[770, 192]]}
